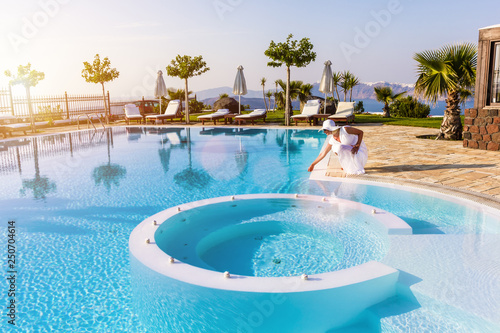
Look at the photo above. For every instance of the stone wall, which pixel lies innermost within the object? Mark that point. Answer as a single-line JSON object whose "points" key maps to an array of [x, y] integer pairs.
{"points": [[482, 129]]}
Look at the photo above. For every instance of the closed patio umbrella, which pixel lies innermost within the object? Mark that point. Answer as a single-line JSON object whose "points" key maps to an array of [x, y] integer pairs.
{"points": [[160, 88], [240, 86], [326, 84]]}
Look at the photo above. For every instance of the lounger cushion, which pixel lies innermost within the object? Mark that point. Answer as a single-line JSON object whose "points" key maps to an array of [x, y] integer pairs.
{"points": [[170, 112], [308, 111], [254, 113], [345, 106], [313, 102], [219, 113]]}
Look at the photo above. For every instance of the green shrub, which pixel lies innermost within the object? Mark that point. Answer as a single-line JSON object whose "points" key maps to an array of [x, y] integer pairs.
{"points": [[49, 113], [409, 107], [358, 107], [196, 106]]}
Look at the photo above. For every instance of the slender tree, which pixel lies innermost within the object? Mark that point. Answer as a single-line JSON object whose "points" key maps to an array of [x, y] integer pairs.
{"points": [[353, 82], [293, 89], [337, 78], [386, 96], [344, 83], [269, 94], [185, 67], [28, 78], [276, 84], [100, 71], [304, 93], [449, 71], [263, 84], [291, 53]]}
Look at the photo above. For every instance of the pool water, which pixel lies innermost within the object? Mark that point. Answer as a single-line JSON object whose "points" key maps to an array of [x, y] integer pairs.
{"points": [[273, 237], [76, 197]]}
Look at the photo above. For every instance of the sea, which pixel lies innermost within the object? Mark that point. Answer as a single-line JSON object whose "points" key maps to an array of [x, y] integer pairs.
{"points": [[372, 106]]}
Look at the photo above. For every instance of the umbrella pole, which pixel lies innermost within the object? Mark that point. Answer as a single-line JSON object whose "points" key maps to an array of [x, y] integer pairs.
{"points": [[324, 109], [239, 104]]}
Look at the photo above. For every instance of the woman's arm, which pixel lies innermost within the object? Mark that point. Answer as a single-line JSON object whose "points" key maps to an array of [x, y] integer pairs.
{"points": [[321, 155], [359, 133]]}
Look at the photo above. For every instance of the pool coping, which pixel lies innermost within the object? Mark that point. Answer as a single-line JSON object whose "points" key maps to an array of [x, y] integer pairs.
{"points": [[479, 200], [143, 247]]}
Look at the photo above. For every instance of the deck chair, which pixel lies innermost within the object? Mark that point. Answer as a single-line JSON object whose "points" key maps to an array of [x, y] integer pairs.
{"points": [[132, 112], [310, 109], [219, 114], [20, 127], [171, 113], [345, 112], [252, 116]]}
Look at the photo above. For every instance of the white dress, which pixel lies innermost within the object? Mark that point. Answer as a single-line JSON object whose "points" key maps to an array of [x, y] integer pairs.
{"points": [[353, 164]]}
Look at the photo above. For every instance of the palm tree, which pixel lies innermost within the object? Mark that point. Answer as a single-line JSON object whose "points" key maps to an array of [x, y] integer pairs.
{"points": [[337, 77], [304, 93], [294, 89], [276, 83], [386, 96], [279, 100], [353, 81], [344, 83], [263, 84], [269, 94], [448, 71], [177, 94]]}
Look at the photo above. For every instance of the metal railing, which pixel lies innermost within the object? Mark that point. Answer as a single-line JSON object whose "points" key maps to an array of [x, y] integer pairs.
{"points": [[89, 120]]}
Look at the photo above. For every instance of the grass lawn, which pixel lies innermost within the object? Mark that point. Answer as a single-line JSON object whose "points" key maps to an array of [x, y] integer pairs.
{"points": [[434, 122]]}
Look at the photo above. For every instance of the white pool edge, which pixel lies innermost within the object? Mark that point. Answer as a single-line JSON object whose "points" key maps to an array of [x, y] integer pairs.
{"points": [[154, 258]]}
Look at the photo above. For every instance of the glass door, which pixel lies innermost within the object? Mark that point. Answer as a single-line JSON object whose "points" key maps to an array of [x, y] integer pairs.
{"points": [[495, 76]]}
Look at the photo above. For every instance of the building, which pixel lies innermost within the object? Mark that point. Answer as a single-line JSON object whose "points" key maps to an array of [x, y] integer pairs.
{"points": [[482, 123]]}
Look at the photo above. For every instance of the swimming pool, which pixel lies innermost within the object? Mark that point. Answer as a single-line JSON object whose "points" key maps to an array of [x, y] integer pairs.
{"points": [[75, 198]]}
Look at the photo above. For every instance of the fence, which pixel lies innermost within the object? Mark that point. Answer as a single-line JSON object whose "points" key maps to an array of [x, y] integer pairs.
{"points": [[54, 107], [17, 154]]}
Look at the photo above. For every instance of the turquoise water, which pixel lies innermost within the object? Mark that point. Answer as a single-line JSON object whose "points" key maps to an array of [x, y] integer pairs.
{"points": [[272, 237], [75, 198]]}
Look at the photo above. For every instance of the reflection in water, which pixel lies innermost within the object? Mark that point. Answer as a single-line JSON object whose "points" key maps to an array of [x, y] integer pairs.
{"points": [[190, 177], [41, 186], [172, 139], [110, 173], [224, 159], [164, 158]]}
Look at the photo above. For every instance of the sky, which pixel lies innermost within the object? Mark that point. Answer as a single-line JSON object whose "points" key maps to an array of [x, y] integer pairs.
{"points": [[374, 39]]}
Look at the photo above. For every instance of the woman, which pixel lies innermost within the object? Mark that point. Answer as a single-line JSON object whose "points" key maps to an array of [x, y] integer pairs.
{"points": [[347, 143]]}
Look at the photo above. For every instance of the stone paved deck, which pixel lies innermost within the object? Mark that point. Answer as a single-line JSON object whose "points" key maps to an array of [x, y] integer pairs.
{"points": [[396, 155]]}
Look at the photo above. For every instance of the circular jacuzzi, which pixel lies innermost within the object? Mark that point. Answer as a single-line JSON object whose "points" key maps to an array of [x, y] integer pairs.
{"points": [[266, 237], [248, 249]]}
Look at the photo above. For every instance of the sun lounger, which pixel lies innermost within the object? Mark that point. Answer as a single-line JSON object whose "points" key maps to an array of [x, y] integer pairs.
{"points": [[219, 114], [132, 112], [252, 116], [21, 127], [171, 113], [344, 113], [311, 108]]}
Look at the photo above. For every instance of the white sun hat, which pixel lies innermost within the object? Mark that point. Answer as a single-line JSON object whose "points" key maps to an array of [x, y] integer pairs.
{"points": [[329, 125]]}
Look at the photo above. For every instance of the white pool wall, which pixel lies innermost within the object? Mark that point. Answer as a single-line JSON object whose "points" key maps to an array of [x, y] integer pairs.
{"points": [[175, 293]]}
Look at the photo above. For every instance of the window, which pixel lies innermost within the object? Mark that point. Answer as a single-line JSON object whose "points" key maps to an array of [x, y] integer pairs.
{"points": [[495, 75]]}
